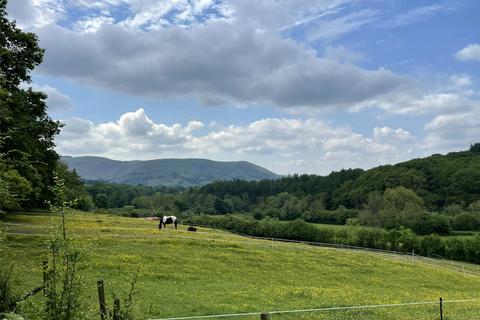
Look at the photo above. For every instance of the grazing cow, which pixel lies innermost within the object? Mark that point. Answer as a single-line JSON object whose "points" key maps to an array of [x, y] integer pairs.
{"points": [[193, 229], [167, 220]]}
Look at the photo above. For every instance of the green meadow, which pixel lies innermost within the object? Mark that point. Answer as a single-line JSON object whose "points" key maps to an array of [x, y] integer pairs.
{"points": [[213, 272]]}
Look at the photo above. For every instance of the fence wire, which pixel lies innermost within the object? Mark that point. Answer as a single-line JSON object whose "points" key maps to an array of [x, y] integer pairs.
{"points": [[433, 308]]}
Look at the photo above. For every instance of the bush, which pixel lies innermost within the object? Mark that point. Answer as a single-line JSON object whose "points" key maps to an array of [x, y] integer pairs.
{"points": [[432, 245], [466, 221], [352, 222], [258, 214]]}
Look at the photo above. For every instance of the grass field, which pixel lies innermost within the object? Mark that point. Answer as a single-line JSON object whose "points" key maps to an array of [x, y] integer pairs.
{"points": [[213, 272]]}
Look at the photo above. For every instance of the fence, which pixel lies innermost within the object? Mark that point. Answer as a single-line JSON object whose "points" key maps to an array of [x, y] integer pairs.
{"points": [[437, 312]]}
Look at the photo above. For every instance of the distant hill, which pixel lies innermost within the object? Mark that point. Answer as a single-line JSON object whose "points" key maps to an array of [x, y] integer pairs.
{"points": [[165, 172]]}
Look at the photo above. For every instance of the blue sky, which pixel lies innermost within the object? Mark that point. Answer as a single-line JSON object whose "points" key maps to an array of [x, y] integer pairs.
{"points": [[295, 86]]}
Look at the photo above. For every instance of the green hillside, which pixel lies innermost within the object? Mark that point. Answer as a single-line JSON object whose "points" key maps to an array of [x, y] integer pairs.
{"points": [[440, 180], [165, 172], [212, 272]]}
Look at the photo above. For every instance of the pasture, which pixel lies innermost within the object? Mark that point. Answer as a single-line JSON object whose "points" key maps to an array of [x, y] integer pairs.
{"points": [[213, 272]]}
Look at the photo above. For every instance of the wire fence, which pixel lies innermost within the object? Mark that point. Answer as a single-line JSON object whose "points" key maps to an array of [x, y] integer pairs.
{"points": [[439, 309]]}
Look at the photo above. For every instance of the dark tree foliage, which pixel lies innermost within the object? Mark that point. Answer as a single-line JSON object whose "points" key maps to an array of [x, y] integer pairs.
{"points": [[297, 185], [26, 131], [439, 180], [110, 195], [475, 147], [75, 190]]}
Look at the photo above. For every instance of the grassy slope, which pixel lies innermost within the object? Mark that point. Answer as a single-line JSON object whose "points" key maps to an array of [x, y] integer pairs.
{"points": [[191, 274]]}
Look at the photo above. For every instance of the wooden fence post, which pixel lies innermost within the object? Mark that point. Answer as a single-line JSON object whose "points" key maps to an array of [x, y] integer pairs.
{"points": [[45, 277], [116, 309], [264, 316], [101, 300], [441, 309], [46, 288]]}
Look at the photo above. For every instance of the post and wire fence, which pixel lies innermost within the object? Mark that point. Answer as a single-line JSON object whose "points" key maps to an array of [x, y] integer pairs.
{"points": [[463, 309]]}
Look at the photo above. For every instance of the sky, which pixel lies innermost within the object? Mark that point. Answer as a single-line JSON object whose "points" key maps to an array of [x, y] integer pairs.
{"points": [[294, 86]]}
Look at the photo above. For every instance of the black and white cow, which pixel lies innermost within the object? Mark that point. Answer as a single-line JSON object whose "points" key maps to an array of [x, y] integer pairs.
{"points": [[167, 220]]}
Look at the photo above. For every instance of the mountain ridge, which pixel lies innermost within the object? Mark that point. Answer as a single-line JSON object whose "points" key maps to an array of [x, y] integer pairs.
{"points": [[169, 172]]}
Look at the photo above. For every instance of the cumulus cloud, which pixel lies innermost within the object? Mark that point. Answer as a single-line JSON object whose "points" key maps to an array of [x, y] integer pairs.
{"points": [[415, 102], [219, 62], [38, 13], [92, 24], [452, 131], [469, 53], [274, 142], [134, 134], [225, 53], [387, 133]]}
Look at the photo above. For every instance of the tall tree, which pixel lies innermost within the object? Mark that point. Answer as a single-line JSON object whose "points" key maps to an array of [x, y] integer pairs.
{"points": [[26, 130]]}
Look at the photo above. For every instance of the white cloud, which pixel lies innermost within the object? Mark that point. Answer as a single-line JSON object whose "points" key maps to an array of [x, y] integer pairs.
{"points": [[229, 53], [274, 143], [461, 80], [92, 24], [325, 29], [453, 131], [219, 63], [420, 13], [35, 13], [413, 102], [133, 135], [389, 134], [469, 53]]}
